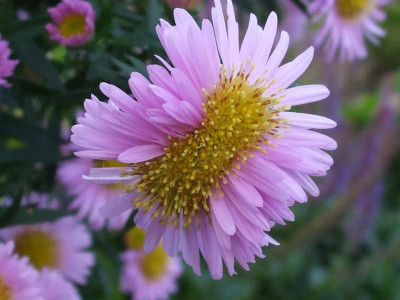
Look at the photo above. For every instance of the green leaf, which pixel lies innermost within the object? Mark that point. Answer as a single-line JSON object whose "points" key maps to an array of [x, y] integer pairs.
{"points": [[30, 215], [27, 29], [33, 57], [154, 14]]}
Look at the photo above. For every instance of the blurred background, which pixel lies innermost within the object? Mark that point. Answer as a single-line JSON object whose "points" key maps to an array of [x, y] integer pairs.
{"points": [[344, 243]]}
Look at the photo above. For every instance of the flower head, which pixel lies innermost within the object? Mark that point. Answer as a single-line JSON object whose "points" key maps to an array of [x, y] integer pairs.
{"points": [[74, 22], [348, 23], [90, 196], [18, 280], [7, 65], [182, 3], [60, 245], [148, 275], [54, 286], [215, 159]]}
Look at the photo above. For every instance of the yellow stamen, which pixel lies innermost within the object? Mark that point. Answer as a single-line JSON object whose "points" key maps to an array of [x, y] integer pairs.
{"points": [[39, 247], [154, 264], [134, 238], [4, 290], [237, 117], [72, 25], [352, 9]]}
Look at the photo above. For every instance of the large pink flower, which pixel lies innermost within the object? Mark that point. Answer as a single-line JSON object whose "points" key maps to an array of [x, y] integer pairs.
{"points": [[74, 22], [7, 65], [215, 157], [90, 196], [18, 280], [347, 24]]}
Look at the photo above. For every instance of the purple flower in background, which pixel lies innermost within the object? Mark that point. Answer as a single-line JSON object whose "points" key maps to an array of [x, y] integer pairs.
{"points": [[295, 21], [60, 245], [149, 276], [90, 196], [215, 158], [7, 65], [54, 286], [346, 26], [18, 280], [74, 22]]}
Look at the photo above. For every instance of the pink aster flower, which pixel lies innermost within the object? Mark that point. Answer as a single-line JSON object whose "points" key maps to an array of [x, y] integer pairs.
{"points": [[18, 280], [182, 3], [74, 22], [54, 286], [60, 245], [348, 23], [215, 157], [148, 276], [7, 65], [90, 196]]}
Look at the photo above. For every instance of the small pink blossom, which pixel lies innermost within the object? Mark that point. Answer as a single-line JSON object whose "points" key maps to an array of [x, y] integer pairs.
{"points": [[74, 22], [139, 285]]}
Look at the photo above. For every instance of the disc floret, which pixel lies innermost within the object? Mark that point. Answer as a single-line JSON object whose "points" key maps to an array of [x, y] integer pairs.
{"points": [[352, 9]]}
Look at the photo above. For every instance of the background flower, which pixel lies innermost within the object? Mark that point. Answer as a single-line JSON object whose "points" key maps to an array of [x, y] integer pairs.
{"points": [[90, 196], [54, 286], [60, 245], [74, 22], [18, 280], [148, 275], [347, 23], [7, 65]]}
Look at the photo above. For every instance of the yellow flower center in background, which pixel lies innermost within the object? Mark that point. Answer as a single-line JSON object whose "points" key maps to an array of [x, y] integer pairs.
{"points": [[352, 9], [154, 264], [72, 25], [112, 164], [237, 117], [4, 291], [39, 247], [134, 238]]}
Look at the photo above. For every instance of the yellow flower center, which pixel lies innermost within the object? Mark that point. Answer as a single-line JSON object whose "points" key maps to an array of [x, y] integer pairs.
{"points": [[237, 118], [112, 164], [154, 264], [352, 9], [72, 25], [39, 247], [4, 291], [134, 238]]}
